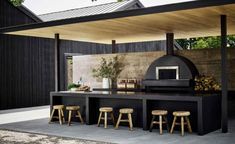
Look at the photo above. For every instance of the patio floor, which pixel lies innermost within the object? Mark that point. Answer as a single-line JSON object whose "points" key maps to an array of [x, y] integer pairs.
{"points": [[36, 120]]}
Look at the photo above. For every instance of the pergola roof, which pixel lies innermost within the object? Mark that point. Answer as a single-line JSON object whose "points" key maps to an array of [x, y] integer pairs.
{"points": [[185, 20]]}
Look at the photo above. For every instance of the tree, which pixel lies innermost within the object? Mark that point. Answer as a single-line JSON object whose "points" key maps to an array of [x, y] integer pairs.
{"points": [[16, 2], [205, 42]]}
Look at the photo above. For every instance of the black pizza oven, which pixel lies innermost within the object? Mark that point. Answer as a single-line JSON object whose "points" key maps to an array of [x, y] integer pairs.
{"points": [[170, 72]]}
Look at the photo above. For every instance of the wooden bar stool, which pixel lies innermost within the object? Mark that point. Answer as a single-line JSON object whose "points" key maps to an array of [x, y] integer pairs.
{"points": [[60, 116], [162, 115], [106, 110], [76, 110], [183, 115], [127, 111]]}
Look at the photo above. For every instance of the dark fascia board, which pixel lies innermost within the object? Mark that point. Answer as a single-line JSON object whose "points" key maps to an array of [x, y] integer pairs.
{"points": [[120, 14], [26, 11], [134, 2], [29, 13], [140, 4]]}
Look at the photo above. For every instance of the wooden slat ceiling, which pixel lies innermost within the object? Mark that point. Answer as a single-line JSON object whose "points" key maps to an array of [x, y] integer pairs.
{"points": [[184, 24]]}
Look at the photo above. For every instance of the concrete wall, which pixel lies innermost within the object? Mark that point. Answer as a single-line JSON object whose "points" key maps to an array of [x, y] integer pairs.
{"points": [[136, 64]]}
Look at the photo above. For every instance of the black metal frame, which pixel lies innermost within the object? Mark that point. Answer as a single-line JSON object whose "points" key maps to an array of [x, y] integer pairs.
{"points": [[114, 46], [57, 62], [170, 43], [224, 77]]}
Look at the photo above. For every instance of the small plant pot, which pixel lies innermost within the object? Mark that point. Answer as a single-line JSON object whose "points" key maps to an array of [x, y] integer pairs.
{"points": [[73, 89], [106, 83]]}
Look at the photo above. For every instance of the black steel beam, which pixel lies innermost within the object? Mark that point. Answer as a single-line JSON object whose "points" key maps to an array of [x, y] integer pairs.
{"points": [[224, 77], [114, 46], [120, 14], [57, 62], [170, 43]]}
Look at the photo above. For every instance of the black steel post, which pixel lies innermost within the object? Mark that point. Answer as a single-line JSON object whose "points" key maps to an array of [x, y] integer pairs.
{"points": [[114, 46], [57, 62], [224, 78], [170, 43]]}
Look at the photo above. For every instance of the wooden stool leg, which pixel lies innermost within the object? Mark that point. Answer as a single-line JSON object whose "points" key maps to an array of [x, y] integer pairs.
{"points": [[112, 117], [59, 113], [188, 124], [151, 125], [173, 124], [105, 119], [69, 117], [52, 114], [62, 114], [160, 124], [98, 124], [80, 117], [130, 121], [182, 126], [119, 118], [167, 125]]}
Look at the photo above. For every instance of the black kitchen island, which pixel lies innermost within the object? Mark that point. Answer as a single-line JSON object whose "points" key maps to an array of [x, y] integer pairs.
{"points": [[205, 108]]}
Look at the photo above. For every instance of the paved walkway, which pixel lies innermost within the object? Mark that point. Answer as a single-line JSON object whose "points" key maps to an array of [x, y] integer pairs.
{"points": [[122, 136], [23, 114]]}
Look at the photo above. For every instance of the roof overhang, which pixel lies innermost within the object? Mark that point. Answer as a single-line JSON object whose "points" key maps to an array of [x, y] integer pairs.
{"points": [[185, 20]]}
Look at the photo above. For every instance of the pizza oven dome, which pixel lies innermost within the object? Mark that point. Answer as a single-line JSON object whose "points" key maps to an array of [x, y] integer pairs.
{"points": [[170, 72], [186, 69]]}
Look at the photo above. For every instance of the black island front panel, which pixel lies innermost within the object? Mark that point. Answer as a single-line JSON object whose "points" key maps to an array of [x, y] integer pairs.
{"points": [[205, 108]]}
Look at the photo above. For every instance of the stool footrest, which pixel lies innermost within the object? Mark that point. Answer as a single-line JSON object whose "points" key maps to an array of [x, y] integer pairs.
{"points": [[124, 120], [157, 122]]}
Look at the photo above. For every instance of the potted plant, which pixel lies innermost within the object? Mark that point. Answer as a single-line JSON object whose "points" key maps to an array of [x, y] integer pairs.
{"points": [[108, 70], [73, 87]]}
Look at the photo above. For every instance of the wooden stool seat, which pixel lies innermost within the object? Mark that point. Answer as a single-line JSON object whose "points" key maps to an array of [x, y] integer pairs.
{"points": [[105, 110], [162, 119], [60, 116], [181, 113], [184, 116], [58, 107], [127, 111], [72, 109], [159, 112]]}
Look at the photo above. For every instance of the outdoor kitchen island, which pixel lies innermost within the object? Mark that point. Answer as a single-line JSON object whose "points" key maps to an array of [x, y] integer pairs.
{"points": [[205, 108]]}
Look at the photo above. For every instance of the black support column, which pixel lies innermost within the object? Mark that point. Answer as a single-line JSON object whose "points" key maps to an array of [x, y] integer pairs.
{"points": [[57, 62], [170, 43], [114, 46], [224, 78]]}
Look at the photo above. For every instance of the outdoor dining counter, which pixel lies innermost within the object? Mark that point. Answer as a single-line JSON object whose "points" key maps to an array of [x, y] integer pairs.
{"points": [[205, 108]]}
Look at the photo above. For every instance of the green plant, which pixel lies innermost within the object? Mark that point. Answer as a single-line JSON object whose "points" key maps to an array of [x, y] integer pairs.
{"points": [[73, 85], [16, 2], [110, 68], [206, 42]]}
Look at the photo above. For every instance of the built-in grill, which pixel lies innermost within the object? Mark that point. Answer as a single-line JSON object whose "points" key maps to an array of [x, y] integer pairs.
{"points": [[170, 72]]}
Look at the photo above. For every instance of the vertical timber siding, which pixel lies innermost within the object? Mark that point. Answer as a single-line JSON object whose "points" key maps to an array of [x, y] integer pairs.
{"points": [[27, 67], [27, 63], [11, 16]]}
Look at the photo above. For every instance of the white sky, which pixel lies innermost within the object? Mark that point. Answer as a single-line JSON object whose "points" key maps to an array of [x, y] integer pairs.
{"points": [[47, 6]]}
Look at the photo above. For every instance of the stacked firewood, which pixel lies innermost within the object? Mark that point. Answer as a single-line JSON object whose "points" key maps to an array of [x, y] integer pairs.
{"points": [[206, 83]]}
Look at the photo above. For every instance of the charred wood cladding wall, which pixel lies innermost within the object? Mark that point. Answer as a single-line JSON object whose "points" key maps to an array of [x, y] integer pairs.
{"points": [[27, 67], [27, 63], [11, 16]]}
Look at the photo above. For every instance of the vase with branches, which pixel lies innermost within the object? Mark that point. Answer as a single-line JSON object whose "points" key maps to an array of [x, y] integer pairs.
{"points": [[108, 70]]}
